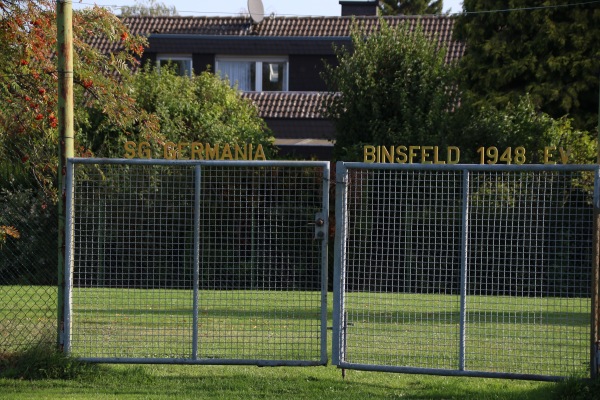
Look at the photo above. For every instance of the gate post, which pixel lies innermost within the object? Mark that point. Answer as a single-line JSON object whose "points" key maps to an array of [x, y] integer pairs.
{"points": [[341, 178], [595, 323]]}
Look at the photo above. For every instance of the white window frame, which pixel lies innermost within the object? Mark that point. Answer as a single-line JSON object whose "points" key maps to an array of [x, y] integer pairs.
{"points": [[258, 60], [176, 57]]}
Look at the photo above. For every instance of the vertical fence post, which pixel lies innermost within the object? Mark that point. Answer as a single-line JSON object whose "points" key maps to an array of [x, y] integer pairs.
{"points": [[324, 262], [341, 179], [463, 269], [595, 323], [197, 193], [68, 265]]}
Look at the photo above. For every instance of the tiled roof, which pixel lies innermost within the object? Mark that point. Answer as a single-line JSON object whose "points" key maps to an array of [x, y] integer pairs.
{"points": [[289, 105], [282, 27]]}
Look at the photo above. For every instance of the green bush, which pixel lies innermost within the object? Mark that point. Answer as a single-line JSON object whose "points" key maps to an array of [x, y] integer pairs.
{"points": [[30, 259]]}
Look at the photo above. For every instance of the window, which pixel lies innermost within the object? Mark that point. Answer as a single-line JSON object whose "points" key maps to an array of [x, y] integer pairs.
{"points": [[255, 75], [181, 63]]}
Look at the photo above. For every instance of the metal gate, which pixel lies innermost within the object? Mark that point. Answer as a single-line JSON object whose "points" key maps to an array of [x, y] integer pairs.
{"points": [[197, 262], [466, 270]]}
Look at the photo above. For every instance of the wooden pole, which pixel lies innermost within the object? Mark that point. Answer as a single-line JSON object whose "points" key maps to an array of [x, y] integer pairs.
{"points": [[64, 25]]}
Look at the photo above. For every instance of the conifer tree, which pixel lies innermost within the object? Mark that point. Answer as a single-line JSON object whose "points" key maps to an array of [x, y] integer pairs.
{"points": [[546, 48], [411, 7]]}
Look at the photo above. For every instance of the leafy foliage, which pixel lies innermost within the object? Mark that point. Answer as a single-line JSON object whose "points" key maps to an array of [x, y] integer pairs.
{"points": [[28, 81], [148, 8], [520, 124], [394, 89], [411, 7], [28, 250], [201, 108], [551, 52], [8, 231]]}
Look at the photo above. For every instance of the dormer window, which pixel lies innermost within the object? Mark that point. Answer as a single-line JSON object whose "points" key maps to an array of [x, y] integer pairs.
{"points": [[256, 74], [182, 63]]}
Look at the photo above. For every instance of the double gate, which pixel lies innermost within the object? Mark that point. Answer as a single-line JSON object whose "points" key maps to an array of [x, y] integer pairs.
{"points": [[453, 270]]}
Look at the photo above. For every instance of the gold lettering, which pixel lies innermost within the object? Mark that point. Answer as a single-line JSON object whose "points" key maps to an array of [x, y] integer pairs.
{"points": [[196, 150], [564, 155], [260, 153], [226, 154], [412, 153], [401, 152], [387, 155], [170, 151], [144, 150], [180, 147], [456, 151], [369, 154], [548, 154], [129, 149], [239, 153], [425, 154], [212, 153], [436, 156]]}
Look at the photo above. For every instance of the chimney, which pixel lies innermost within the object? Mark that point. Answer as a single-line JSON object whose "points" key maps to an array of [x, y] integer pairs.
{"points": [[365, 7]]}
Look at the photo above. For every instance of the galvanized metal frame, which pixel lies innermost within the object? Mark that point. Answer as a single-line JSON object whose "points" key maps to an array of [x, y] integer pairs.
{"points": [[321, 230], [339, 357]]}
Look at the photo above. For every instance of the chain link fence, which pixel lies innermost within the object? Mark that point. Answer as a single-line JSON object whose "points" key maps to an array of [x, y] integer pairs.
{"points": [[28, 269]]}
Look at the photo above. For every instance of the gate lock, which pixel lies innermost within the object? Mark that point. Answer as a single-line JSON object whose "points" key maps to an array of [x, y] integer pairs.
{"points": [[320, 226]]}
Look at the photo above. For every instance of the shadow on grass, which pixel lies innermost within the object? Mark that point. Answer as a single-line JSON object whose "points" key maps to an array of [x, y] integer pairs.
{"points": [[241, 382], [47, 367], [42, 361]]}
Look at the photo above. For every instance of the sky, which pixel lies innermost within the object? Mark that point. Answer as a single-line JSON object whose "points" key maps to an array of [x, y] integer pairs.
{"points": [[235, 7]]}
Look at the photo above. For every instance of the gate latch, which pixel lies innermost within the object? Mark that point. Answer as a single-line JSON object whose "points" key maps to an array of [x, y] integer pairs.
{"points": [[320, 226]]}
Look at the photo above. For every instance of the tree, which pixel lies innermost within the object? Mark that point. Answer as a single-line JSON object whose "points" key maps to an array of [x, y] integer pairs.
{"points": [[411, 7], [394, 88], [519, 124], [148, 8], [28, 82], [551, 52], [201, 108]]}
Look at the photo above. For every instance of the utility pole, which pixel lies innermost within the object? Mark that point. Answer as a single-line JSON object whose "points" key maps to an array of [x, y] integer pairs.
{"points": [[64, 25]]}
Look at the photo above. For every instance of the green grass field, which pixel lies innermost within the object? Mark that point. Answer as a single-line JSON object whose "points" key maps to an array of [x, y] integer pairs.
{"points": [[503, 333], [542, 336]]}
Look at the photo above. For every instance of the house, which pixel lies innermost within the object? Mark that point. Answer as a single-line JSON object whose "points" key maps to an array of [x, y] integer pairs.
{"points": [[277, 63]]}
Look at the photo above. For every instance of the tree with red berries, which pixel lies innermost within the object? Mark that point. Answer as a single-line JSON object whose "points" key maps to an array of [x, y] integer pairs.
{"points": [[28, 82]]}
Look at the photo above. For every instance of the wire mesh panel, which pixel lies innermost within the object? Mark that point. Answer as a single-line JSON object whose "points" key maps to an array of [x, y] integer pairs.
{"points": [[28, 269], [464, 270], [198, 262]]}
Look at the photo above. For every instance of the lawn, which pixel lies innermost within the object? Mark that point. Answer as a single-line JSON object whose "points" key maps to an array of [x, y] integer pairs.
{"points": [[245, 382], [502, 332]]}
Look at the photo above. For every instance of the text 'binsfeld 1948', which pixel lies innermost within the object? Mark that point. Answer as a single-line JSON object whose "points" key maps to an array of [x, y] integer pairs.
{"points": [[195, 151]]}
